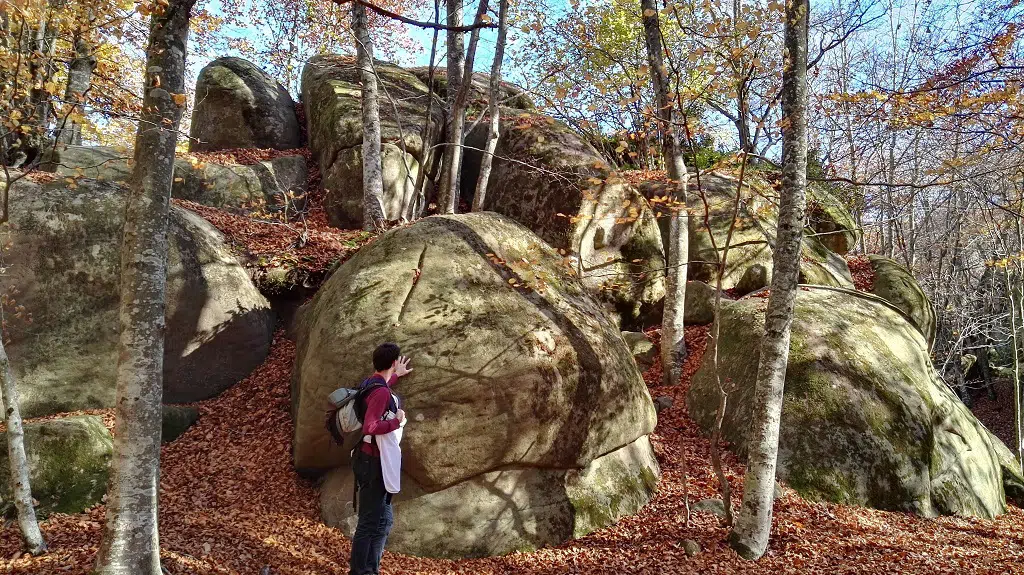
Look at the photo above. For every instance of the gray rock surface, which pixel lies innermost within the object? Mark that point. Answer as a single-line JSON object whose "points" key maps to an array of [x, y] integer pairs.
{"points": [[237, 105]]}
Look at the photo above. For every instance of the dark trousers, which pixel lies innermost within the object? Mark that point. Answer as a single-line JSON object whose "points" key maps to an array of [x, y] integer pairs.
{"points": [[375, 517]]}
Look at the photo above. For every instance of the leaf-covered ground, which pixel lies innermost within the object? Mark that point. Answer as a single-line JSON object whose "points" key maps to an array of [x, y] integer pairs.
{"points": [[230, 503]]}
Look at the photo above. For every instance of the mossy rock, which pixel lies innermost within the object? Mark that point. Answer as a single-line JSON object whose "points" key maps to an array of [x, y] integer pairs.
{"points": [[63, 267], [830, 219], [68, 464], [528, 415], [749, 264], [510, 509], [897, 285], [643, 350], [331, 92], [343, 186], [238, 105], [230, 186], [865, 419]]}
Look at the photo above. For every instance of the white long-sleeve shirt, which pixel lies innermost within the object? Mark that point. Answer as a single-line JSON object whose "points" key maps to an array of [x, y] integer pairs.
{"points": [[391, 457]]}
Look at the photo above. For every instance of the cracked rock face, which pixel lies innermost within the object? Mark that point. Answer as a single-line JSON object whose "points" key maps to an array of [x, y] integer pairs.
{"points": [[517, 369]]}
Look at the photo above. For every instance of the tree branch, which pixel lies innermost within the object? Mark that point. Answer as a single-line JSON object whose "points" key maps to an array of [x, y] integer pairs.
{"points": [[417, 23]]}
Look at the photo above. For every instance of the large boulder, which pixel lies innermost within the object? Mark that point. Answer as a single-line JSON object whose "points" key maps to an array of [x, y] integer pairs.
{"points": [[238, 105], [899, 287], [331, 95], [547, 178], [830, 219], [268, 182], [748, 266], [509, 509], [68, 461], [62, 275], [865, 419], [519, 373], [343, 199]]}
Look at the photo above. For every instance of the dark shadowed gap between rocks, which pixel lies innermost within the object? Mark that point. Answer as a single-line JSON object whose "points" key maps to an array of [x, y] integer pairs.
{"points": [[472, 156]]}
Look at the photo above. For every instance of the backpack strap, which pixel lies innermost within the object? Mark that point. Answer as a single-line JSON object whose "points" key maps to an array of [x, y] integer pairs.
{"points": [[368, 387]]}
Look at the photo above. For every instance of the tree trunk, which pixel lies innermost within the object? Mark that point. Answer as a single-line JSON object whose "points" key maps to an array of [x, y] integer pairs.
{"points": [[750, 534], [373, 176], [1016, 370], [493, 109], [427, 133], [131, 543], [18, 461], [448, 195], [673, 345], [79, 78]]}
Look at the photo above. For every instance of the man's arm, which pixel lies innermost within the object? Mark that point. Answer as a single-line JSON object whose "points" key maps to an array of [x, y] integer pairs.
{"points": [[376, 405]]}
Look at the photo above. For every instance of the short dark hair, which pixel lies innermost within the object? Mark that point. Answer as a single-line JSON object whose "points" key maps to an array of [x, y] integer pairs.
{"points": [[385, 355]]}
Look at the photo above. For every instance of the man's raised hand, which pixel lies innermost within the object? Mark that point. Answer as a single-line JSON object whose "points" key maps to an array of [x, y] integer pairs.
{"points": [[402, 366]]}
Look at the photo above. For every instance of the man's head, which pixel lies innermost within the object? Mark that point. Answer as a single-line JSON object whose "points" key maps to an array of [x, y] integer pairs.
{"points": [[385, 356]]}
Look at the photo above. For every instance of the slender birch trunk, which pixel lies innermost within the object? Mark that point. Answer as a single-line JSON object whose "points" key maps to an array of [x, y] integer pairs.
{"points": [[131, 543], [1016, 370], [493, 109], [373, 176], [753, 525], [80, 71], [673, 344], [427, 133], [18, 461], [451, 161]]}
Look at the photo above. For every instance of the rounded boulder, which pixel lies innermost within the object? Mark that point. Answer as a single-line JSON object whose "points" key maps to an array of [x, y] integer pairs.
{"points": [[517, 369], [62, 292], [895, 284], [238, 105], [865, 419]]}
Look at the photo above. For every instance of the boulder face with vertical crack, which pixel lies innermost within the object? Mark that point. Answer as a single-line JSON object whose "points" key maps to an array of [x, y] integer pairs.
{"points": [[524, 398], [331, 96]]}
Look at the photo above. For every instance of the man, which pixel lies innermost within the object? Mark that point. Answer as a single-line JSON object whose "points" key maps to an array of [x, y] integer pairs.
{"points": [[382, 415]]}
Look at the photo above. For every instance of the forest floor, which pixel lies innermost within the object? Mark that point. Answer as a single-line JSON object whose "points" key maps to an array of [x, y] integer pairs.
{"points": [[997, 414], [231, 504]]}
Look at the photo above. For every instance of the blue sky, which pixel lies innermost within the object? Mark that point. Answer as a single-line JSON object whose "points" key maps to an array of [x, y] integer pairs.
{"points": [[420, 37]]}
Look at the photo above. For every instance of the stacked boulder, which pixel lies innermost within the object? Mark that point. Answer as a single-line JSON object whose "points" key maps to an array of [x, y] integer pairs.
{"points": [[239, 106], [545, 176], [549, 179], [331, 98]]}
